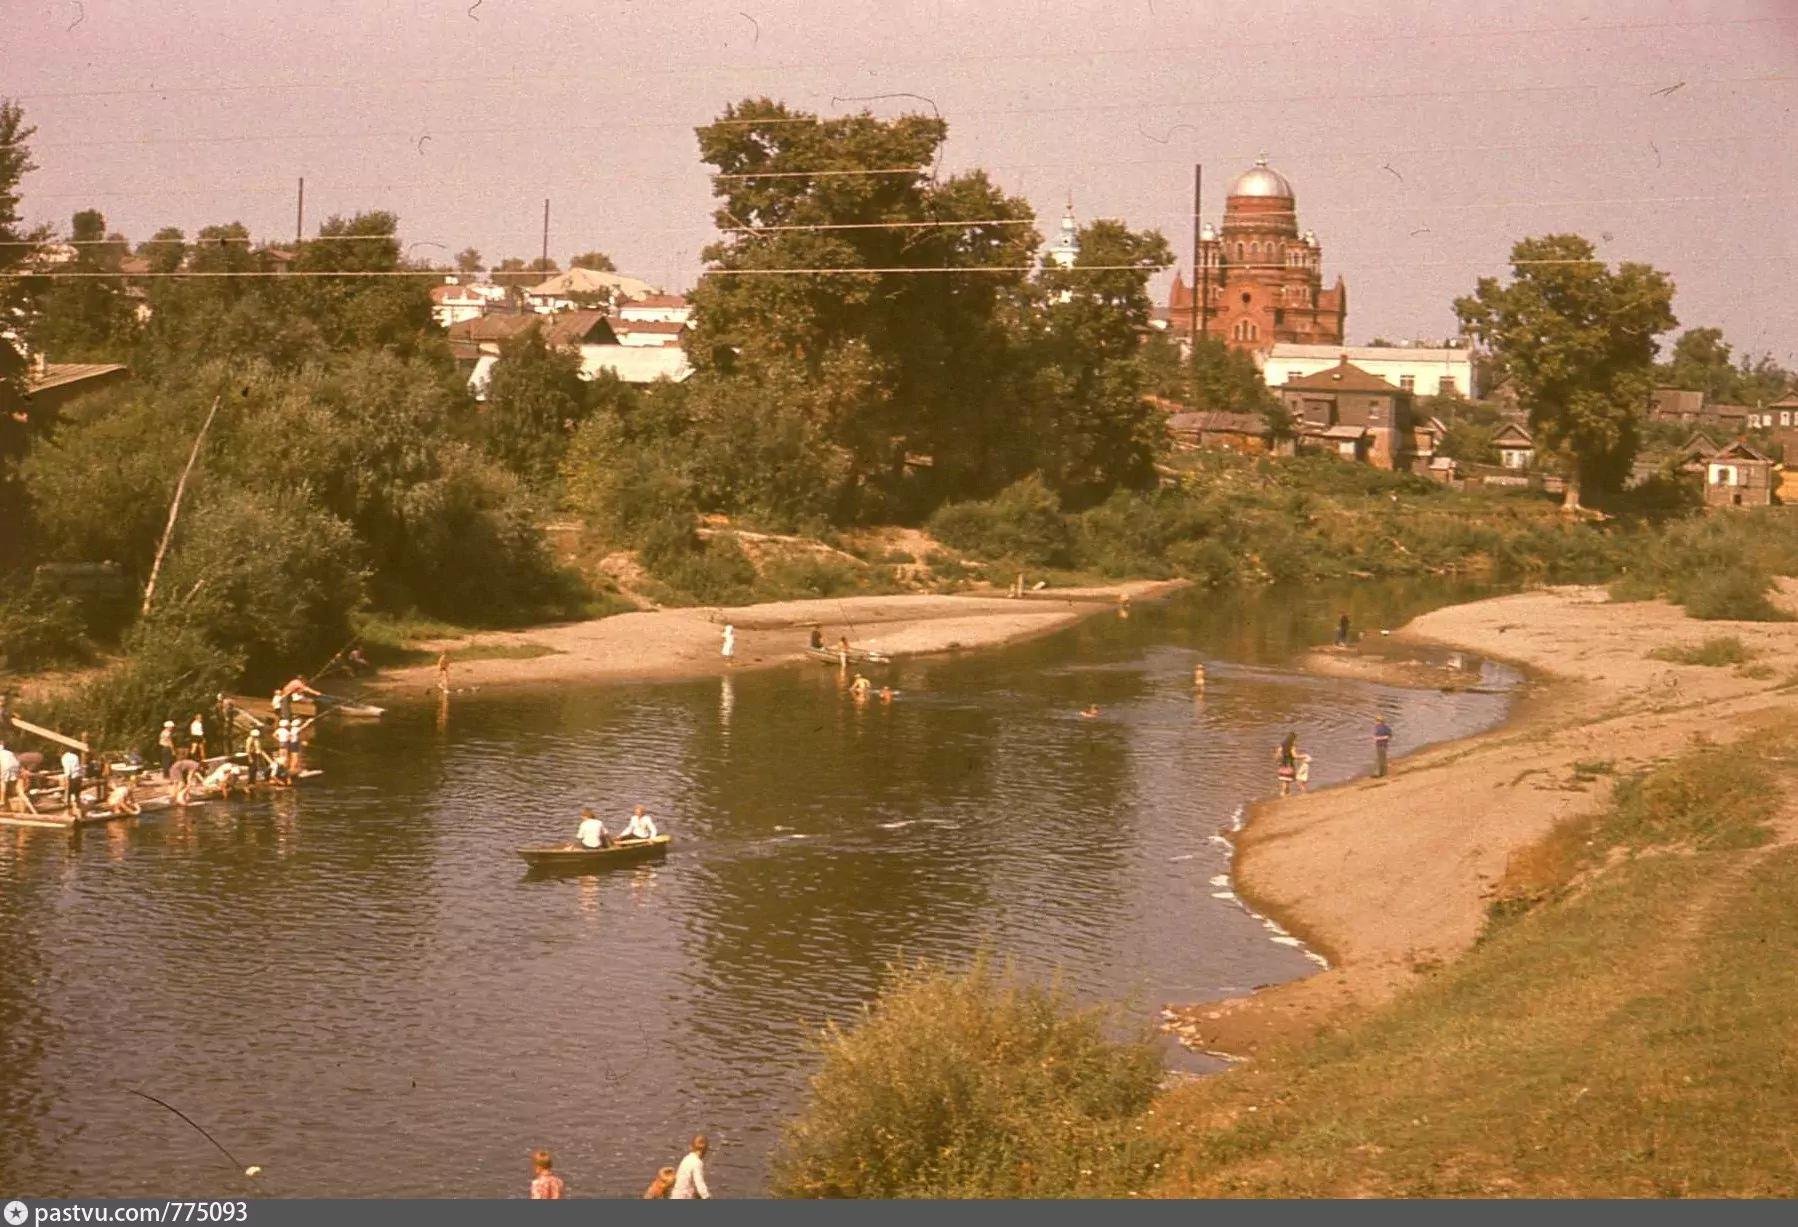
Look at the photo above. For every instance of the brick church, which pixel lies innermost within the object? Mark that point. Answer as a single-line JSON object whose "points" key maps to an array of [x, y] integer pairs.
{"points": [[1263, 279]]}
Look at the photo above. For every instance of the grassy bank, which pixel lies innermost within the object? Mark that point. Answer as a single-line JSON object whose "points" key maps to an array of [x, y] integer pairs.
{"points": [[1622, 1029]]}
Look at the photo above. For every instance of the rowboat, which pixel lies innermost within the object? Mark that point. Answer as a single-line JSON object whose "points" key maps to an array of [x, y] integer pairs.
{"points": [[857, 656], [339, 707], [563, 858]]}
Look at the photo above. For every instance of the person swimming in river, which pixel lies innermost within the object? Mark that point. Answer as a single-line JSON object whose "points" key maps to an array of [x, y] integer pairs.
{"points": [[1090, 712], [817, 639], [861, 687], [886, 694]]}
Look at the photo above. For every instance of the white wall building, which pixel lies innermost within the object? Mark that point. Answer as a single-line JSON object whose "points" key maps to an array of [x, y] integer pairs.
{"points": [[1422, 372], [453, 303], [656, 309]]}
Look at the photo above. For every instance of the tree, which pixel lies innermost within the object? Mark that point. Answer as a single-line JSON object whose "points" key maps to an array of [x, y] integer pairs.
{"points": [[468, 260], [1578, 340], [522, 274], [535, 401], [86, 315], [916, 366], [598, 261], [165, 250], [18, 252], [1701, 363]]}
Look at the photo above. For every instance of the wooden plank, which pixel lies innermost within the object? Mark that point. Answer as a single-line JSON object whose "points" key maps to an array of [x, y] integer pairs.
{"points": [[50, 735]]}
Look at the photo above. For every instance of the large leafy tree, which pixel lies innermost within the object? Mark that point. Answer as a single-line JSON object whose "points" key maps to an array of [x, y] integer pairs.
{"points": [[18, 250], [535, 401], [906, 364], [85, 316], [598, 261], [1098, 431], [1578, 339]]}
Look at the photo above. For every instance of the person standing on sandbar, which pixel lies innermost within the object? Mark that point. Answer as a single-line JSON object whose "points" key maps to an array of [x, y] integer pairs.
{"points": [[1382, 739]]}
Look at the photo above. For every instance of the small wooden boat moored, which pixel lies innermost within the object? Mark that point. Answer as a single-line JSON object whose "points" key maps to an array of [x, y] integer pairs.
{"points": [[565, 858], [857, 656]]}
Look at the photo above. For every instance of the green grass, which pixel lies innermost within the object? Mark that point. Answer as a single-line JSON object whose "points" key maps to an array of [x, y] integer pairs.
{"points": [[1716, 651], [1626, 1037]]}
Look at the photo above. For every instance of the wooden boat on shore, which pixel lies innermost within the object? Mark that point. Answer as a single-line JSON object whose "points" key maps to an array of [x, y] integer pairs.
{"points": [[573, 858], [346, 708], [857, 656]]}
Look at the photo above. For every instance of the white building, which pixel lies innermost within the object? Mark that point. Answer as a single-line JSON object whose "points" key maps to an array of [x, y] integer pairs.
{"points": [[1065, 250], [656, 309], [1422, 372], [453, 303]]}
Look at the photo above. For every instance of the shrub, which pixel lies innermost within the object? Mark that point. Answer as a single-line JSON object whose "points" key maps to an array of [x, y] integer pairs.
{"points": [[169, 671], [972, 1085], [796, 576], [1717, 651], [1709, 798], [1021, 524], [39, 630], [713, 572], [1738, 594]]}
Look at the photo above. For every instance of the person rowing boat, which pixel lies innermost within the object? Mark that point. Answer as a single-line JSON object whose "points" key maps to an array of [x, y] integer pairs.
{"points": [[592, 832], [641, 825]]}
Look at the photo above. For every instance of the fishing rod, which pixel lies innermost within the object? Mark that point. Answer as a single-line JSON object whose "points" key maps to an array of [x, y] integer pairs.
{"points": [[251, 1170]]}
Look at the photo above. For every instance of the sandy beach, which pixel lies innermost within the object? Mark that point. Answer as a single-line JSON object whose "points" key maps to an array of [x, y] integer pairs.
{"points": [[1390, 878], [671, 644]]}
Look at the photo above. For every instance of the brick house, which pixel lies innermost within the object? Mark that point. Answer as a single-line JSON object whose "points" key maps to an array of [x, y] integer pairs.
{"points": [[1355, 414], [1738, 475]]}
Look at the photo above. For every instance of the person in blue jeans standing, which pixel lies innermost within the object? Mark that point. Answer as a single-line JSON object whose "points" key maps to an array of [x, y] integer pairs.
{"points": [[1382, 738]]}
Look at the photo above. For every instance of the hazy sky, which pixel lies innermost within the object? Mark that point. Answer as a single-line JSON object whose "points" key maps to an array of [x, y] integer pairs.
{"points": [[1422, 137]]}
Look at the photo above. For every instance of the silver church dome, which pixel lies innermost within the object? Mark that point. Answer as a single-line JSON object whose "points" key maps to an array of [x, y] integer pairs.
{"points": [[1261, 180]]}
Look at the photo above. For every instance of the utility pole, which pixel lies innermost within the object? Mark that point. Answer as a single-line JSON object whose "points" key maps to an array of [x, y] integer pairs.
{"points": [[545, 264], [1192, 327], [299, 214], [1202, 311]]}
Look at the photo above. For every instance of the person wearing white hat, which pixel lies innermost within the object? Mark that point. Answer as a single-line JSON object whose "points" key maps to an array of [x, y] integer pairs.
{"points": [[166, 744]]}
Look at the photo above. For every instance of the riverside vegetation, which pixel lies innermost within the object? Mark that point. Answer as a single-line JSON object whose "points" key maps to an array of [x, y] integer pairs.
{"points": [[1623, 1029], [351, 485]]}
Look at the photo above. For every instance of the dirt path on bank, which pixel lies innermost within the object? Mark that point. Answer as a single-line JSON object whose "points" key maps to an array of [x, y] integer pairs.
{"points": [[1388, 878], [670, 644]]}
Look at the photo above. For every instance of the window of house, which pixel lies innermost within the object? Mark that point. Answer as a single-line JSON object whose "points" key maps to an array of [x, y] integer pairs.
{"points": [[1445, 386], [1407, 383]]}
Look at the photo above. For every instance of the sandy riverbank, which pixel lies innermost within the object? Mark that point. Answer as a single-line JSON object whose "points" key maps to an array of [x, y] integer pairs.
{"points": [[670, 644], [1389, 878]]}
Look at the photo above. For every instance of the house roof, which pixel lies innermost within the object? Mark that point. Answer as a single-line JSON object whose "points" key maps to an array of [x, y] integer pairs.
{"points": [[1727, 411], [1513, 433], [668, 328], [563, 330], [461, 293], [657, 300], [1218, 422], [1342, 430], [1345, 376], [1786, 402], [591, 281], [63, 374], [1676, 401], [1741, 449], [1700, 444]]}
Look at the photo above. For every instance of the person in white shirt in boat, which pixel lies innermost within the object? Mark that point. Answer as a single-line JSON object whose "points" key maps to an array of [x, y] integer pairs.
{"points": [[641, 825], [592, 832], [689, 1178]]}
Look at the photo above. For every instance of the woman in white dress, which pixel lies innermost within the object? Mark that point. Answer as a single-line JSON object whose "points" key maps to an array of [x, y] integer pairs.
{"points": [[729, 649]]}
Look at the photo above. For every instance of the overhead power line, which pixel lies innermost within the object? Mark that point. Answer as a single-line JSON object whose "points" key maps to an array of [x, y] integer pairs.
{"points": [[1311, 45], [1174, 104], [899, 270], [1296, 155]]}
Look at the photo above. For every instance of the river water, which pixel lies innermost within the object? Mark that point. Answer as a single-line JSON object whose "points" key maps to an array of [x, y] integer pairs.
{"points": [[358, 988]]}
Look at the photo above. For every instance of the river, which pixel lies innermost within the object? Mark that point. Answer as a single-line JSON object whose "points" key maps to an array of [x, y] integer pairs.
{"points": [[357, 988]]}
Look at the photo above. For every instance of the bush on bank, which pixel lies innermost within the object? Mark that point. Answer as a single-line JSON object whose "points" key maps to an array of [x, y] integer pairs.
{"points": [[973, 1085]]}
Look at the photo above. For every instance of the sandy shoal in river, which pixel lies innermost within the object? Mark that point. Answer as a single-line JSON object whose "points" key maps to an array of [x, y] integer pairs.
{"points": [[1388, 878], [671, 644]]}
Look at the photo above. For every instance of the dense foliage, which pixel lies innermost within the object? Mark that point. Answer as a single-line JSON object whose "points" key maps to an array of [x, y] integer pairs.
{"points": [[973, 1085], [1578, 341]]}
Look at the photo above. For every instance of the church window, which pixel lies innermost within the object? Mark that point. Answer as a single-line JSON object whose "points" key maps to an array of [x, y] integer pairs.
{"points": [[1246, 299], [1246, 330], [1241, 251]]}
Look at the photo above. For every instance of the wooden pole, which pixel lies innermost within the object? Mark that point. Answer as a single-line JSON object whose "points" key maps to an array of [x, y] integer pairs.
{"points": [[1192, 325], [50, 735], [168, 530], [299, 215], [1201, 309], [546, 236]]}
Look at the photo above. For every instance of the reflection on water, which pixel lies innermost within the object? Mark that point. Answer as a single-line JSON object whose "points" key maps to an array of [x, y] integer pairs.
{"points": [[357, 987]]}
